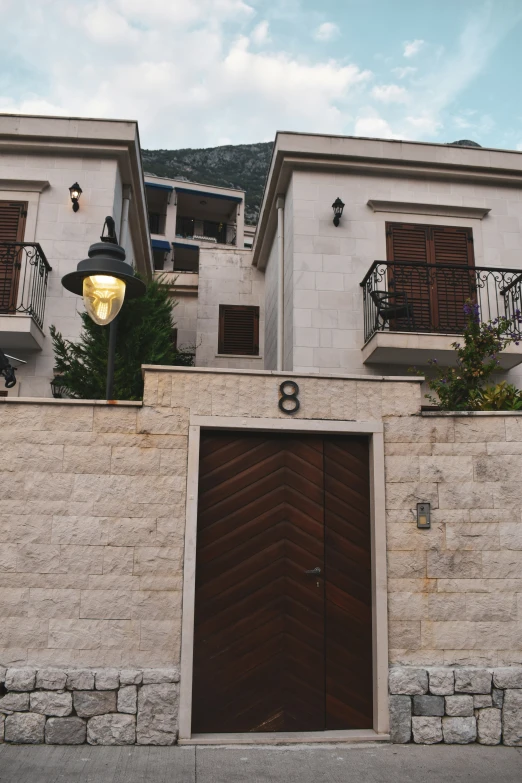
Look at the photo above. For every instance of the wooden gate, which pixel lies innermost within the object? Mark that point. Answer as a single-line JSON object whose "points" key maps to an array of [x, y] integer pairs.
{"points": [[277, 648]]}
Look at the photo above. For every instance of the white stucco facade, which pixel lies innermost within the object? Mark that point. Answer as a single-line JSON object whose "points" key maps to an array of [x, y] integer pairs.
{"points": [[40, 158]]}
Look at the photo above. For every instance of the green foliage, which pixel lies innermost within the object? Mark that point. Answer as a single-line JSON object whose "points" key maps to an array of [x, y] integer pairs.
{"points": [[144, 337], [502, 397], [462, 387]]}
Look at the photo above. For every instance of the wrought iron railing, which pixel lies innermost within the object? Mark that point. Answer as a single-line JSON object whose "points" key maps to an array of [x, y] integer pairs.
{"points": [[193, 228], [24, 271], [420, 297]]}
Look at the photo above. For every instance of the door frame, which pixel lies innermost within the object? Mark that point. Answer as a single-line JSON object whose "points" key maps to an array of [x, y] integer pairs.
{"points": [[374, 430]]}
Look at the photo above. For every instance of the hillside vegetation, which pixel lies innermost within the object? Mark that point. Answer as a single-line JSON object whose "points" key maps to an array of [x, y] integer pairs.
{"points": [[242, 166]]}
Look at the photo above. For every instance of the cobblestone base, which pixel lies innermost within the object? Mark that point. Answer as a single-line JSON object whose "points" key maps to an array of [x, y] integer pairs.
{"points": [[456, 705], [100, 707]]}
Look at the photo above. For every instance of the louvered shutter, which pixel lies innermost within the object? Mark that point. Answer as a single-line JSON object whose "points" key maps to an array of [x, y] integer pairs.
{"points": [[12, 225], [453, 286], [408, 242], [238, 330]]}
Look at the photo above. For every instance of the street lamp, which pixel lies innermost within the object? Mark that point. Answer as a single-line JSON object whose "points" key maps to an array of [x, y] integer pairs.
{"points": [[104, 280]]}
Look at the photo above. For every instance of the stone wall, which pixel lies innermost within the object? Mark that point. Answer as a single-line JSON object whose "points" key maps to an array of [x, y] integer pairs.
{"points": [[100, 707], [455, 591], [91, 535], [456, 705], [92, 532]]}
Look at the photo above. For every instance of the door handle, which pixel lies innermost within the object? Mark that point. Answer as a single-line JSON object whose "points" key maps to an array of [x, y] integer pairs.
{"points": [[314, 571]]}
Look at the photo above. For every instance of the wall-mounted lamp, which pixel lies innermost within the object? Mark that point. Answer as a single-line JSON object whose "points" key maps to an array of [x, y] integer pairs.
{"points": [[423, 516], [75, 191], [337, 207]]}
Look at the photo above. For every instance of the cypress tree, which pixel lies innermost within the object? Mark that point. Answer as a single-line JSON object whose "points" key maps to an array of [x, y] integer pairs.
{"points": [[144, 337]]}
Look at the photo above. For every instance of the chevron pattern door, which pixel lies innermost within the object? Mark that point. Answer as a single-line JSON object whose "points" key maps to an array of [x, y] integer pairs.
{"points": [[277, 648]]}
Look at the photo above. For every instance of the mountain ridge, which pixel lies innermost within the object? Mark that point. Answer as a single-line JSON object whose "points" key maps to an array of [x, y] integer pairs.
{"points": [[243, 166]]}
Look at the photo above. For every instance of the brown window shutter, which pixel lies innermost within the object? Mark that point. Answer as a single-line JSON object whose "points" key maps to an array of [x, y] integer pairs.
{"points": [[453, 287], [12, 221], [238, 330], [409, 243], [12, 227], [436, 295]]}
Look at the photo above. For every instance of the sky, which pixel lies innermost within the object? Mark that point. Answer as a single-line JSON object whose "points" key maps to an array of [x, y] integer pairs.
{"points": [[200, 73]]}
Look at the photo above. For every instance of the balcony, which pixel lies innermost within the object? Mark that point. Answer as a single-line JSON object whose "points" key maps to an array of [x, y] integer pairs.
{"points": [[413, 311], [24, 273], [206, 231]]}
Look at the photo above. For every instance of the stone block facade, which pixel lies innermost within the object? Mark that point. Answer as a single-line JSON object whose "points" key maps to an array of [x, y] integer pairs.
{"points": [[479, 705], [98, 707], [91, 554]]}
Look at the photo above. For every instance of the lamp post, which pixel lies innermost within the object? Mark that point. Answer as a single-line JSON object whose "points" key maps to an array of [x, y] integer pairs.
{"points": [[104, 280]]}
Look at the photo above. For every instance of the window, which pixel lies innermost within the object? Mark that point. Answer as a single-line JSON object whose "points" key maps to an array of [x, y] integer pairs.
{"points": [[433, 271], [238, 330], [156, 223]]}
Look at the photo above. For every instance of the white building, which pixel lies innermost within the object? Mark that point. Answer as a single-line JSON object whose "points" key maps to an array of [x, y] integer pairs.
{"points": [[42, 237], [425, 227]]}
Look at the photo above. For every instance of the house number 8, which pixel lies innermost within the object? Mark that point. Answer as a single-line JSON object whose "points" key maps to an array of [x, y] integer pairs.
{"points": [[289, 398]]}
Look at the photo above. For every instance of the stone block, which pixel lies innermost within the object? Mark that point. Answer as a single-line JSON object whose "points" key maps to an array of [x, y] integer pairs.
{"points": [[80, 680], [489, 726], [112, 730], [2, 726], [14, 702], [3, 672], [459, 731], [457, 565], [25, 728], [51, 679], [481, 702], [65, 731], [131, 677], [426, 731], [508, 677], [472, 681], [400, 718], [51, 703], [441, 681], [411, 682], [428, 706], [158, 676], [512, 717], [20, 679], [157, 714], [497, 697], [107, 679], [90, 703], [459, 706], [127, 699], [444, 469]]}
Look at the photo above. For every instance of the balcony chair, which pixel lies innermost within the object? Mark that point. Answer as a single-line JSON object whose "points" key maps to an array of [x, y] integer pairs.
{"points": [[391, 305]]}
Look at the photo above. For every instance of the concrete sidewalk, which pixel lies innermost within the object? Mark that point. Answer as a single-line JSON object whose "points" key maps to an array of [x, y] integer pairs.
{"points": [[297, 764]]}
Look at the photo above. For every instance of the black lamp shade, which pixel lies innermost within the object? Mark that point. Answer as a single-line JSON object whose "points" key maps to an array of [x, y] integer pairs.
{"points": [[105, 259]]}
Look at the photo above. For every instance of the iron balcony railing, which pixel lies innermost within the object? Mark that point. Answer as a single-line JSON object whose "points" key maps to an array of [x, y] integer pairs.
{"points": [[420, 297], [193, 228], [24, 272]]}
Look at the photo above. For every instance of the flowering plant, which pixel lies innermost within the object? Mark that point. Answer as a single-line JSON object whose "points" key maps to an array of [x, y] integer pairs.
{"points": [[461, 387]]}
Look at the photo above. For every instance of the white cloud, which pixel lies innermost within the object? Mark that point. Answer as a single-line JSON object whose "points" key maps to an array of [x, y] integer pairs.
{"points": [[372, 124], [187, 70], [260, 33], [403, 72], [326, 31], [390, 93], [411, 48]]}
